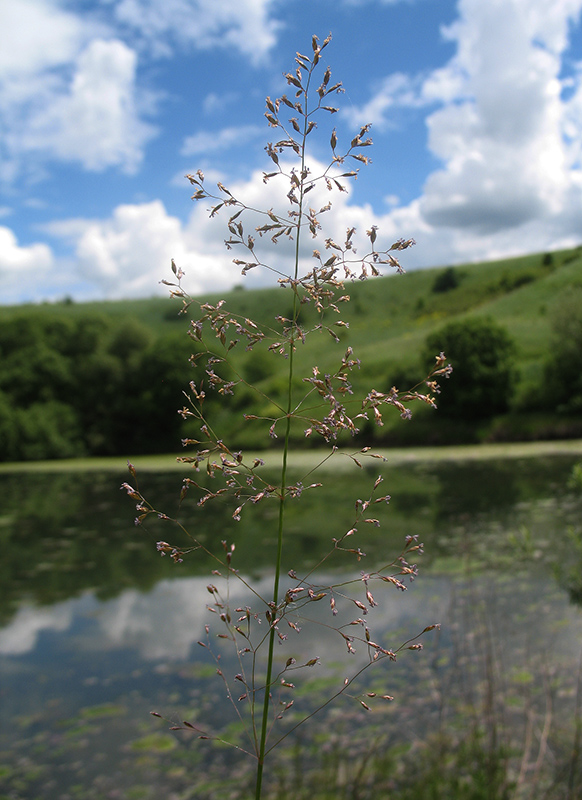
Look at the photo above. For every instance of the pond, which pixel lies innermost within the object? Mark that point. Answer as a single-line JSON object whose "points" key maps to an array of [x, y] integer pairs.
{"points": [[98, 631]]}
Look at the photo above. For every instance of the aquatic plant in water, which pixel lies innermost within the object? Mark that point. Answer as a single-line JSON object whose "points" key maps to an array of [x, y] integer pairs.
{"points": [[263, 632]]}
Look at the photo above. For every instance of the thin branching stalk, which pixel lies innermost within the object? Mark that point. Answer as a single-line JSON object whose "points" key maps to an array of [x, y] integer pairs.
{"points": [[326, 407], [277, 576], [281, 518]]}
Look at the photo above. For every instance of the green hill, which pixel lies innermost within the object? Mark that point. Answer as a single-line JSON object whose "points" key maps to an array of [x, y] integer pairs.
{"points": [[389, 320]]}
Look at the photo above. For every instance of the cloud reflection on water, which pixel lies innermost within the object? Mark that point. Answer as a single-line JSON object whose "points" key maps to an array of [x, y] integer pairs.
{"points": [[167, 621], [22, 634]]}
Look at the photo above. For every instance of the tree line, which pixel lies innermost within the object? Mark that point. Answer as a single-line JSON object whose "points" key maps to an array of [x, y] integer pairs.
{"points": [[90, 386]]}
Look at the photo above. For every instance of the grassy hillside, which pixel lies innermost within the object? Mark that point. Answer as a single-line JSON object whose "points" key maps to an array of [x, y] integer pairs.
{"points": [[390, 319], [397, 308]]}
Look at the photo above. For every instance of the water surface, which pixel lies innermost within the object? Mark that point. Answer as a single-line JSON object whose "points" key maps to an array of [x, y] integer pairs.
{"points": [[98, 630]]}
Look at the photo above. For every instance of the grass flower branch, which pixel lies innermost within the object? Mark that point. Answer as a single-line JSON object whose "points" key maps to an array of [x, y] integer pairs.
{"points": [[263, 632]]}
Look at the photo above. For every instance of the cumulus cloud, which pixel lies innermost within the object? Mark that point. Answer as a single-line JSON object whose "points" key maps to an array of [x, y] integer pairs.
{"points": [[211, 141], [68, 92], [502, 144], [37, 34], [149, 623], [68, 77], [68, 81], [129, 253], [168, 621], [15, 257], [95, 120], [506, 132], [21, 265], [244, 25], [503, 116]]}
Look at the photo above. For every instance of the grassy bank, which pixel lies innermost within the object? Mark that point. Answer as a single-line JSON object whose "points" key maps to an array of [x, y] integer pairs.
{"points": [[307, 460]]}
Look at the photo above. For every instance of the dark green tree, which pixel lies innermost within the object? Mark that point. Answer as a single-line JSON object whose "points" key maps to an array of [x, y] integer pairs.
{"points": [[481, 353], [8, 431], [93, 385], [563, 370], [446, 280], [48, 430], [36, 373], [164, 377], [110, 388]]}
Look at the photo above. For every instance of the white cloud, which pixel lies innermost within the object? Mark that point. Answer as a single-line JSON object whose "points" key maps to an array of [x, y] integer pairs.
{"points": [[279, 257], [502, 144], [92, 118], [541, 23], [168, 621], [211, 141], [395, 91], [30, 273], [68, 81], [20, 265], [508, 140], [510, 178], [244, 25], [36, 35], [97, 121], [149, 623], [65, 94], [129, 253]]}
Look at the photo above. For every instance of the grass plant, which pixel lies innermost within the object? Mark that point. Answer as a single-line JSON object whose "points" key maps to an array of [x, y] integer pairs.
{"points": [[253, 645]]}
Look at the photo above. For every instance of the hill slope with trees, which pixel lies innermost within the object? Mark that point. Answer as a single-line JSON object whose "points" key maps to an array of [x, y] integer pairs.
{"points": [[108, 378]]}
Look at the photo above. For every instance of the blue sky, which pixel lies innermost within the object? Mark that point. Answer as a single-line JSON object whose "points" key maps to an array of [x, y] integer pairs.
{"points": [[475, 105]]}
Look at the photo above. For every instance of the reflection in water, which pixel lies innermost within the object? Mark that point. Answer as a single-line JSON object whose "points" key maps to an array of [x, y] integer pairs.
{"points": [[21, 635], [65, 534], [99, 630], [168, 621]]}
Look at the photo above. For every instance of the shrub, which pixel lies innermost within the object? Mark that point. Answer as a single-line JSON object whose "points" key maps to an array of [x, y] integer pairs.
{"points": [[446, 280], [562, 372], [481, 353]]}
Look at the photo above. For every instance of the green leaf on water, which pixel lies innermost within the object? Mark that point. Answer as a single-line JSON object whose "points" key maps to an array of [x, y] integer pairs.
{"points": [[155, 742]]}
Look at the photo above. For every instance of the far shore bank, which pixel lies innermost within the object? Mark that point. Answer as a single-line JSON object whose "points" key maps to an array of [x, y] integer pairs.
{"points": [[310, 459]]}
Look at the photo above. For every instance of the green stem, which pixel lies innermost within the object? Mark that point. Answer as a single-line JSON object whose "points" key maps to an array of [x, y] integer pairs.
{"points": [[267, 698]]}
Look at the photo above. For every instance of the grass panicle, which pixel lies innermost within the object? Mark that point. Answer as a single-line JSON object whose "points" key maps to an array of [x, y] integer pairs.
{"points": [[262, 633]]}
